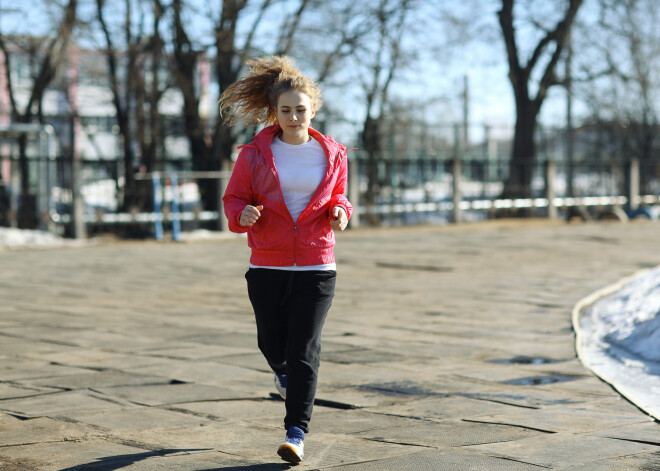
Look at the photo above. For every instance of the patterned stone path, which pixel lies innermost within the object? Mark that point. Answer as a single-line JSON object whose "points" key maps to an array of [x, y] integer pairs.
{"points": [[447, 348]]}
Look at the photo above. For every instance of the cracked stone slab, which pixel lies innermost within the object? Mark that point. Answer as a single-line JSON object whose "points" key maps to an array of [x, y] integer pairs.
{"points": [[563, 449], [565, 419], [253, 361], [361, 355], [184, 460], [9, 391], [196, 352], [443, 408], [95, 379], [227, 339], [438, 460], [99, 360], [646, 431], [248, 410], [355, 397], [203, 372], [164, 394], [12, 346], [334, 421], [60, 404], [328, 450], [14, 431], [95, 454], [139, 419], [453, 433], [21, 370], [639, 462]]}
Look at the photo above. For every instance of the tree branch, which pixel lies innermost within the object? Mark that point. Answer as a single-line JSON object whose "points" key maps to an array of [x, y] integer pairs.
{"points": [[286, 38], [516, 73], [560, 34], [7, 71]]}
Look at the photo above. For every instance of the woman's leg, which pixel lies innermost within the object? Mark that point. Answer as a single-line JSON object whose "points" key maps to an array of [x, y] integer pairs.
{"points": [[267, 291], [307, 304]]}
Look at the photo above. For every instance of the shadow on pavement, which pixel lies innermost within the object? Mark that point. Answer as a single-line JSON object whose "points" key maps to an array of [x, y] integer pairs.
{"points": [[257, 467], [111, 463]]}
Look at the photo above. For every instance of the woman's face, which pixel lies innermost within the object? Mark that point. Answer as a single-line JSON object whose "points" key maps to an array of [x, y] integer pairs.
{"points": [[294, 114]]}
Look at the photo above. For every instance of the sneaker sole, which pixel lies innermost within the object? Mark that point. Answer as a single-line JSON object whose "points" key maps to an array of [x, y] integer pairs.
{"points": [[288, 453]]}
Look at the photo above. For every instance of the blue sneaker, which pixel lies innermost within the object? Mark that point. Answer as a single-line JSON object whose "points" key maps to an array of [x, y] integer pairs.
{"points": [[280, 385], [292, 448]]}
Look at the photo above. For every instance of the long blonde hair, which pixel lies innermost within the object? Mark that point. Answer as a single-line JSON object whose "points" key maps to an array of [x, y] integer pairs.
{"points": [[253, 98]]}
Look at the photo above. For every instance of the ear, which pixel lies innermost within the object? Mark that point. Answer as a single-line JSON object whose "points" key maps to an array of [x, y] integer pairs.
{"points": [[313, 113]]}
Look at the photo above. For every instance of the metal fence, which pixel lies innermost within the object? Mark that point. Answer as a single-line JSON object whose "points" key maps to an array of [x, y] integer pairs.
{"points": [[441, 191], [410, 191]]}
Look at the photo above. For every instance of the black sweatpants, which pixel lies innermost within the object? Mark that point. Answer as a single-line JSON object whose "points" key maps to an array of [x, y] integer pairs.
{"points": [[290, 308]]}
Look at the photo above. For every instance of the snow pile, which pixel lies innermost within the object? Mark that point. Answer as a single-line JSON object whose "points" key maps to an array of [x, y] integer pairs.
{"points": [[619, 338], [639, 332], [21, 238]]}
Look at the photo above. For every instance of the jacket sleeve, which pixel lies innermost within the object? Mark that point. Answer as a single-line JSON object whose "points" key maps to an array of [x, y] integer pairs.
{"points": [[238, 193], [338, 192]]}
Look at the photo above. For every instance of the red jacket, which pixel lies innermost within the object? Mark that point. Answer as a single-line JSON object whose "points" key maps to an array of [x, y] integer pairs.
{"points": [[276, 239]]}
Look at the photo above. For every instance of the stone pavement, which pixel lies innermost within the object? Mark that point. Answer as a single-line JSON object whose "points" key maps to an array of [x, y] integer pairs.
{"points": [[447, 348]]}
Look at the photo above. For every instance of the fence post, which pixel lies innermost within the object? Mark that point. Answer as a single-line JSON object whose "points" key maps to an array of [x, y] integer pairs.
{"points": [[632, 184], [550, 173], [223, 181], [78, 204], [176, 217], [158, 215], [456, 187], [457, 172], [354, 191]]}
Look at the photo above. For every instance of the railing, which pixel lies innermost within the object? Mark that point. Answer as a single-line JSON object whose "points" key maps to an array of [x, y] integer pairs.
{"points": [[458, 190], [403, 192]]}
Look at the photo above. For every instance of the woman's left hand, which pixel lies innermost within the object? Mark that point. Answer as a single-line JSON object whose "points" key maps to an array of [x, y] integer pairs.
{"points": [[338, 219]]}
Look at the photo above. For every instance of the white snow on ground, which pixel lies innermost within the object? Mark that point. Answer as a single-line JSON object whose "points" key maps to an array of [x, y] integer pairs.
{"points": [[618, 338], [13, 239], [21, 238]]}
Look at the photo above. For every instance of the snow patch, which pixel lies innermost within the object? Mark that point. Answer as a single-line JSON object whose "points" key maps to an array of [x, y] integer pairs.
{"points": [[619, 338]]}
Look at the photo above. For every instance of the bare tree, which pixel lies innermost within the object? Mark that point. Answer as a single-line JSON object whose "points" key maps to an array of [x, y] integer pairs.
{"points": [[539, 72], [619, 80], [47, 54], [212, 148], [125, 59], [384, 62]]}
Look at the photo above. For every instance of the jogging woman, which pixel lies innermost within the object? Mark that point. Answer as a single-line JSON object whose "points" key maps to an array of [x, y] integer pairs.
{"points": [[287, 192]]}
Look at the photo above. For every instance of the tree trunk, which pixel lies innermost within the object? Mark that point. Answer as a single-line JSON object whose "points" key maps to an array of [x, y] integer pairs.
{"points": [[523, 155], [545, 56], [27, 211]]}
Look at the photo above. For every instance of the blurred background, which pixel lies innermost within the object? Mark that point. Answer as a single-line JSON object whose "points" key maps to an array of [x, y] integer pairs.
{"points": [[456, 111]]}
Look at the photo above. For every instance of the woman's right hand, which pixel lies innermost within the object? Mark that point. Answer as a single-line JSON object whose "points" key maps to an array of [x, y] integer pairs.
{"points": [[250, 215]]}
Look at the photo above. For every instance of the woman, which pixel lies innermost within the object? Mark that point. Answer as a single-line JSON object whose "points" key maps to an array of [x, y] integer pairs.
{"points": [[287, 192]]}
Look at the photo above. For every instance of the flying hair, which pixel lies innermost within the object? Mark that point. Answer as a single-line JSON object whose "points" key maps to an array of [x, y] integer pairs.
{"points": [[253, 98]]}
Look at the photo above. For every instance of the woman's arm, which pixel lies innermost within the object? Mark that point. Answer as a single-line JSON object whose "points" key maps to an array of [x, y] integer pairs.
{"points": [[338, 198], [238, 193]]}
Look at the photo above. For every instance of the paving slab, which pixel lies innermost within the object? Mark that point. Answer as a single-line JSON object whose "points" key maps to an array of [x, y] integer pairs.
{"points": [[60, 403], [440, 460], [446, 348], [563, 449]]}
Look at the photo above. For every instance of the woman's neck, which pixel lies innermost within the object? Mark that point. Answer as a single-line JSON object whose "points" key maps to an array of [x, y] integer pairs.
{"points": [[295, 141]]}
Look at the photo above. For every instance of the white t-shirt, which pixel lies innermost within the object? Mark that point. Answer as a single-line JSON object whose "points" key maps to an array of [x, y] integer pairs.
{"points": [[301, 169]]}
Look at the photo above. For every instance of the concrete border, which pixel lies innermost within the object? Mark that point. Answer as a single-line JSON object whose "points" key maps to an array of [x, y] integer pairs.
{"points": [[613, 380]]}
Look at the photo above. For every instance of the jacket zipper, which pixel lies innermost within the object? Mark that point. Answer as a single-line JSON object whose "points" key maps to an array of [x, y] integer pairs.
{"points": [[295, 245]]}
